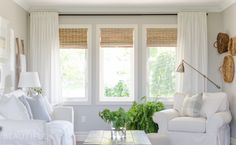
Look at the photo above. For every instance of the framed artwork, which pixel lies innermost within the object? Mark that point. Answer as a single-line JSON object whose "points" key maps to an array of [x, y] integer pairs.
{"points": [[2, 77], [4, 37]]}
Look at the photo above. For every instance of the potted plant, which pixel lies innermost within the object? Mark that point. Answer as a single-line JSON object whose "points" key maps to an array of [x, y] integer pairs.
{"points": [[140, 115], [118, 120]]}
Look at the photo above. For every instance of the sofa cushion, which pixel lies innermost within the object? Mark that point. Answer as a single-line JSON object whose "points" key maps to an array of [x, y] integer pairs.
{"points": [[178, 101], [187, 124], [213, 103]]}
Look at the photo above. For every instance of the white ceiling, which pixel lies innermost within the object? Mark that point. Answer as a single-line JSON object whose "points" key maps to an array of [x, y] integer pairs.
{"points": [[132, 6]]}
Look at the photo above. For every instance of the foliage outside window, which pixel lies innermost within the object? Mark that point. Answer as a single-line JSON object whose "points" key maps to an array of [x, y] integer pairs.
{"points": [[162, 71], [161, 49], [74, 62], [116, 59]]}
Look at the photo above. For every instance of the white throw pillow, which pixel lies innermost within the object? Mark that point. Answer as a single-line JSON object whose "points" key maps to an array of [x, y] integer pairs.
{"points": [[178, 101], [16, 93], [213, 103], [192, 106], [48, 105], [12, 108]]}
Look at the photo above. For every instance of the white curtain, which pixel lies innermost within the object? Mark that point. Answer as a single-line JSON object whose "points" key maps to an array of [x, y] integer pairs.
{"points": [[44, 52], [192, 47]]}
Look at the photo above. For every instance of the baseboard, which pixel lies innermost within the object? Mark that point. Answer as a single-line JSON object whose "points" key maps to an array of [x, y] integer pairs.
{"points": [[233, 141], [81, 135]]}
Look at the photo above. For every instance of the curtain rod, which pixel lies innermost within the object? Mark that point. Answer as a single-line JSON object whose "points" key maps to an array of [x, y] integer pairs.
{"points": [[174, 14]]}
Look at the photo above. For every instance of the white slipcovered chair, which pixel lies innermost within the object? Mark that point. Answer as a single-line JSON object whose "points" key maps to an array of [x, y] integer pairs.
{"points": [[58, 131], [211, 128]]}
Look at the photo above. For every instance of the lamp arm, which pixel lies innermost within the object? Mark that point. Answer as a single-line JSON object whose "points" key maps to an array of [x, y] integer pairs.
{"points": [[201, 74]]}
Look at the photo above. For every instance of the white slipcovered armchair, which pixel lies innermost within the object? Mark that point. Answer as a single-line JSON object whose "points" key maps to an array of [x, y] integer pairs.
{"points": [[212, 128]]}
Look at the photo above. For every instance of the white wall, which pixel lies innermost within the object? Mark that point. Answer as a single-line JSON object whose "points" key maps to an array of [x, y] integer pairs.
{"points": [[18, 19], [90, 112], [214, 25], [229, 26]]}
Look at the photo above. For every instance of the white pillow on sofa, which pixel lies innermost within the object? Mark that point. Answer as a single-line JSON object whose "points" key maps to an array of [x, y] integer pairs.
{"points": [[11, 108], [178, 101], [192, 105]]}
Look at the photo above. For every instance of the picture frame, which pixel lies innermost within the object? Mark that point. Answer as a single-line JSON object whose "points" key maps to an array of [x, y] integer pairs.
{"points": [[4, 37]]}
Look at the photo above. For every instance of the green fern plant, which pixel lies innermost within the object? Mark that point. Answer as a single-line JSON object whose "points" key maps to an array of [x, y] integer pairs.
{"points": [[139, 116]]}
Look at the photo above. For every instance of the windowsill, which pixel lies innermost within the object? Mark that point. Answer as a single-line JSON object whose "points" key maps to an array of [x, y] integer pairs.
{"points": [[76, 102], [167, 101]]}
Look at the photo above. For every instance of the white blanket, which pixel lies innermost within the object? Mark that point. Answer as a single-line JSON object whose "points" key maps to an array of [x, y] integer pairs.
{"points": [[36, 133]]}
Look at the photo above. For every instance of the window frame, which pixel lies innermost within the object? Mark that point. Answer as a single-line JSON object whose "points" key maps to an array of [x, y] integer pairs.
{"points": [[145, 56], [98, 67], [87, 99]]}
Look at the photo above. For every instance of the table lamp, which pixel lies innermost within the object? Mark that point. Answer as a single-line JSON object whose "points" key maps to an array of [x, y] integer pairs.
{"points": [[29, 80]]}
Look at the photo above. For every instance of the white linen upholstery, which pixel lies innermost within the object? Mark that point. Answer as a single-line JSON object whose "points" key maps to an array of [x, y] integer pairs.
{"points": [[12, 108], [37, 132], [163, 117], [22, 130], [67, 112], [206, 130], [214, 102], [187, 124], [178, 101], [60, 132]]}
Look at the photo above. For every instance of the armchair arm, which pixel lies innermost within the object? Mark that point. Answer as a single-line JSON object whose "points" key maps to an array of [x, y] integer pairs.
{"points": [[162, 118], [63, 113], [218, 120], [23, 129]]}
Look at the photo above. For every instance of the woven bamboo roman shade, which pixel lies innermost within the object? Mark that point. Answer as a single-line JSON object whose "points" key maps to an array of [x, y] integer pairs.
{"points": [[116, 37], [75, 38], [161, 37]]}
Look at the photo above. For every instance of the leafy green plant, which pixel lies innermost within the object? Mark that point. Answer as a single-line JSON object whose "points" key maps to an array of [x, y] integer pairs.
{"points": [[140, 115], [119, 90], [117, 118]]}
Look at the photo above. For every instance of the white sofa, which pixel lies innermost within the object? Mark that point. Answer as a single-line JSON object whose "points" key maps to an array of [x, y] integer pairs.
{"points": [[59, 131], [211, 128]]}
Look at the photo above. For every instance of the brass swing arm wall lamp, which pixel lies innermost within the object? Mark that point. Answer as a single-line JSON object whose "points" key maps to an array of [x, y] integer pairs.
{"points": [[180, 69]]}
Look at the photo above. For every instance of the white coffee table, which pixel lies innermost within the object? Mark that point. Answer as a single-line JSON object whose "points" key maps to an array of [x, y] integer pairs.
{"points": [[101, 137]]}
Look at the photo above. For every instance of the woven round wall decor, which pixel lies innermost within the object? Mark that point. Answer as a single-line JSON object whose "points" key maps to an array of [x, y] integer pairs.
{"points": [[222, 42], [227, 69], [232, 46]]}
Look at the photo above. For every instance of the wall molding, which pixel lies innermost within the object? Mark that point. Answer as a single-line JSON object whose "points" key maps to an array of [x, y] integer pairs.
{"points": [[226, 4], [125, 9], [23, 4]]}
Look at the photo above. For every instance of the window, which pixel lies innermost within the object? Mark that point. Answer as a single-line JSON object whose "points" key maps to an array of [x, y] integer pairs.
{"points": [[74, 54], [161, 55], [116, 63]]}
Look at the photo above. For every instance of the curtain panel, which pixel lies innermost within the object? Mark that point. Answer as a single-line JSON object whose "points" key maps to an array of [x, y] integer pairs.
{"points": [[192, 47], [44, 52]]}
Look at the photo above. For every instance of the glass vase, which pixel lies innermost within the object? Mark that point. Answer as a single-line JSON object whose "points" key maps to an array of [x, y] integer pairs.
{"points": [[118, 133]]}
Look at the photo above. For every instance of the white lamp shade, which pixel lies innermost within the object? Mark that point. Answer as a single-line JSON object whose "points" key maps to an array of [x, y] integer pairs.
{"points": [[29, 80]]}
